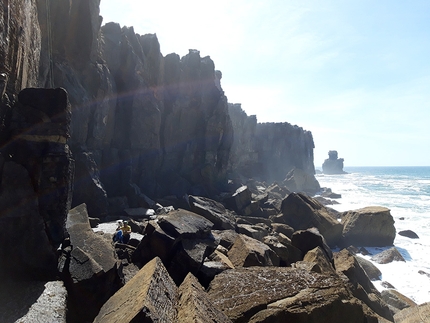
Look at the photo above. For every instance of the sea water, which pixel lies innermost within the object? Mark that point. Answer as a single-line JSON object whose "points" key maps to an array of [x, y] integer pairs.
{"points": [[406, 192]]}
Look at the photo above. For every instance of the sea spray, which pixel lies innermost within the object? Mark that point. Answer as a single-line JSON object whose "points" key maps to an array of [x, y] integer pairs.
{"points": [[406, 192]]}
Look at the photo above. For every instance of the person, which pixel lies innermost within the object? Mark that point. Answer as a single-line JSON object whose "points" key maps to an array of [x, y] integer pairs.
{"points": [[126, 231], [118, 236]]}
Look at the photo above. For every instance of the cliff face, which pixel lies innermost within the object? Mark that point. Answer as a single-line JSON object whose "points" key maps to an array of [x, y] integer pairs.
{"points": [[141, 121], [269, 150]]}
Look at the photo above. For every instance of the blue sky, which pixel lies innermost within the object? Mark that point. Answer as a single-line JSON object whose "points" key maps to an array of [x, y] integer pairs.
{"points": [[354, 73]]}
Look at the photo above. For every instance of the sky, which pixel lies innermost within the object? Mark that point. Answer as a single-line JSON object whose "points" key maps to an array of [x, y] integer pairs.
{"points": [[354, 73]]}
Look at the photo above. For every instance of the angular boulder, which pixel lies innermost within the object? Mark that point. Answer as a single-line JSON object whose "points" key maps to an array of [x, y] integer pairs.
{"points": [[359, 283], [322, 263], [270, 294], [387, 256], [194, 305], [181, 239], [371, 270], [397, 300], [416, 314], [215, 212], [239, 200], [306, 240], [371, 226], [141, 299], [303, 212], [91, 270], [247, 252], [185, 224]]}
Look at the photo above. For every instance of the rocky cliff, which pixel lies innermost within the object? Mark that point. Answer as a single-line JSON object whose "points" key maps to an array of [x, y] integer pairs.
{"points": [[141, 122]]}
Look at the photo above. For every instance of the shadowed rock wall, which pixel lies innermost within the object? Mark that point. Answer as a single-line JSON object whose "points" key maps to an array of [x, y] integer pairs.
{"points": [[141, 122], [269, 150]]}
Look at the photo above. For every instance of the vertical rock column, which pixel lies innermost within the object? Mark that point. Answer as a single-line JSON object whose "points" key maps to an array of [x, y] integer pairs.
{"points": [[36, 182]]}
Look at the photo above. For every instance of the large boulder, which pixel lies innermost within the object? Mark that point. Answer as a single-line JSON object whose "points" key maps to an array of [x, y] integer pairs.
{"points": [[181, 239], [372, 226], [416, 314], [239, 200], [359, 283], [269, 294], [387, 256], [397, 300], [141, 299], [247, 252], [303, 212], [306, 240], [215, 212], [90, 269], [371, 270]]}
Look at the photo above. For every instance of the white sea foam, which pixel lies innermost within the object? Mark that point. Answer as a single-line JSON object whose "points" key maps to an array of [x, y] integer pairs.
{"points": [[406, 192]]}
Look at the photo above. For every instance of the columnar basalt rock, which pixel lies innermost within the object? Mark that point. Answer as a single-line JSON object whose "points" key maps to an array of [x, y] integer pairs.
{"points": [[270, 151], [36, 180]]}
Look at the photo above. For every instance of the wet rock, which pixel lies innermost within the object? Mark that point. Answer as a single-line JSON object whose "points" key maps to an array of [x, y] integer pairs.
{"points": [[409, 234], [388, 256]]}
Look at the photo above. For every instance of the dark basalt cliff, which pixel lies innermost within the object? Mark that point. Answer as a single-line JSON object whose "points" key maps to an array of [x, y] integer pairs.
{"points": [[140, 120], [269, 151]]}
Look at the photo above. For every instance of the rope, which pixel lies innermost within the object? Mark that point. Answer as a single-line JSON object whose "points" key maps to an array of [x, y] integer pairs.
{"points": [[49, 27]]}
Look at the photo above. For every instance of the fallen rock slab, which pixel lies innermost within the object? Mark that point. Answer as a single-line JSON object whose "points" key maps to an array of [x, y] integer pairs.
{"points": [[215, 212], [371, 270], [303, 212], [396, 299], [244, 293], [371, 226], [90, 269], [150, 296], [417, 314], [195, 305], [247, 252]]}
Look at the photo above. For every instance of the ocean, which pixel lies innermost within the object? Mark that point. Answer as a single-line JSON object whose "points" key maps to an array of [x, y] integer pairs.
{"points": [[406, 192]]}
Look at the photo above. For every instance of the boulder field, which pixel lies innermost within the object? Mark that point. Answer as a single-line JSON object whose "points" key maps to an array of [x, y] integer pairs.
{"points": [[97, 125]]}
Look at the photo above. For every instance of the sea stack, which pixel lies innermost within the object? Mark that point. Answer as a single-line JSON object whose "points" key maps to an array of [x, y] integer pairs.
{"points": [[333, 165]]}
